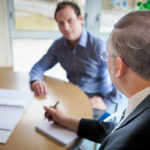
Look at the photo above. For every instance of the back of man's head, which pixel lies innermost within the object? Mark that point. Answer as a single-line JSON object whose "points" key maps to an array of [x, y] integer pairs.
{"points": [[131, 40], [64, 4]]}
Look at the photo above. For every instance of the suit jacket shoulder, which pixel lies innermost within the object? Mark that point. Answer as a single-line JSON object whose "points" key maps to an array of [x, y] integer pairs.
{"points": [[134, 132]]}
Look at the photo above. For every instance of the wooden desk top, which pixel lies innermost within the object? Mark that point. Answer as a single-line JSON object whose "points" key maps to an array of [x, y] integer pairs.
{"points": [[72, 100]]}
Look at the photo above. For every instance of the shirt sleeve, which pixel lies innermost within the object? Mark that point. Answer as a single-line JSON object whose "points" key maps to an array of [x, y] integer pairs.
{"points": [[45, 63], [94, 130]]}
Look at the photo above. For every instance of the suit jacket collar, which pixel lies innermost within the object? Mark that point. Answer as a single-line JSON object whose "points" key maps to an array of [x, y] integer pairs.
{"points": [[138, 110]]}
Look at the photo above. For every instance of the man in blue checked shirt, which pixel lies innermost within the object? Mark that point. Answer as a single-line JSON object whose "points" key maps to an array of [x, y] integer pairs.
{"points": [[78, 53]]}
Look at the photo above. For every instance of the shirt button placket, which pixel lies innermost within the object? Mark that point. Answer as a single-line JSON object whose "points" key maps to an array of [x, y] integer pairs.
{"points": [[74, 63]]}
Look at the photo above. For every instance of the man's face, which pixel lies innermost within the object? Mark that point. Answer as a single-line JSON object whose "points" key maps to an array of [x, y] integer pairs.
{"points": [[69, 23]]}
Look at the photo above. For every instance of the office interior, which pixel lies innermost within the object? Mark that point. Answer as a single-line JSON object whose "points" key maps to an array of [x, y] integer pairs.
{"points": [[28, 28]]}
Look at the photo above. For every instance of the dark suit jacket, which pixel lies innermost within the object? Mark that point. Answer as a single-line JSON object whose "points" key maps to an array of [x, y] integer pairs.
{"points": [[133, 133]]}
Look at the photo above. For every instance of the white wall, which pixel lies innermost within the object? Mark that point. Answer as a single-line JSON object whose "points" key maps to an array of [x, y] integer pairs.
{"points": [[5, 47]]}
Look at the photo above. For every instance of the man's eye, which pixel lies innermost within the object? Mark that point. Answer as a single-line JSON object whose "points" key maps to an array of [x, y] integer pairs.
{"points": [[60, 23], [70, 20]]}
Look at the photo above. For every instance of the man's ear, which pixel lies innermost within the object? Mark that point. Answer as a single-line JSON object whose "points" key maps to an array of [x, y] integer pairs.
{"points": [[80, 17], [121, 67]]}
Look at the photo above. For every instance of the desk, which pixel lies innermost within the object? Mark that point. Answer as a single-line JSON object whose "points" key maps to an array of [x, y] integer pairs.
{"points": [[25, 137]]}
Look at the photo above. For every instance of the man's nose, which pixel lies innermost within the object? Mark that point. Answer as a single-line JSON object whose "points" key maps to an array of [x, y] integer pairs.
{"points": [[66, 26]]}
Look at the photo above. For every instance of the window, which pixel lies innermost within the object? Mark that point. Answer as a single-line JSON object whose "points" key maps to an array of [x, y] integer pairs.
{"points": [[112, 11], [34, 18]]}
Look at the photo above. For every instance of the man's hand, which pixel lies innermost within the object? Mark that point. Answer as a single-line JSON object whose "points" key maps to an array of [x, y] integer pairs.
{"points": [[98, 103], [58, 116], [39, 88]]}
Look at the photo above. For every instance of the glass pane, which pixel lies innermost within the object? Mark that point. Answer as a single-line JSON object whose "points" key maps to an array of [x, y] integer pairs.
{"points": [[32, 50], [37, 14], [113, 10]]}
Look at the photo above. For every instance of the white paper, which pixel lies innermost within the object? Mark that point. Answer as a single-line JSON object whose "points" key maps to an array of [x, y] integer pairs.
{"points": [[14, 97], [9, 116], [4, 135], [62, 135], [12, 106]]}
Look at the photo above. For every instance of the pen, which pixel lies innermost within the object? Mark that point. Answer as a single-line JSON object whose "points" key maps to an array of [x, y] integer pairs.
{"points": [[56, 104], [47, 115]]}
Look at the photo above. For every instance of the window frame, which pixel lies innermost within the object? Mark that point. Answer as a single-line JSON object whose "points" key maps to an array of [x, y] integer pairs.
{"points": [[23, 34]]}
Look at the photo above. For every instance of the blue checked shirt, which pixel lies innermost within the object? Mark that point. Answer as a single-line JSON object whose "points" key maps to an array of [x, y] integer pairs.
{"points": [[83, 66]]}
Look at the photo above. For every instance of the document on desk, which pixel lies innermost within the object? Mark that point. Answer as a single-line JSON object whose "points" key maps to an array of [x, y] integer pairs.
{"points": [[58, 133], [12, 105], [4, 135], [15, 97]]}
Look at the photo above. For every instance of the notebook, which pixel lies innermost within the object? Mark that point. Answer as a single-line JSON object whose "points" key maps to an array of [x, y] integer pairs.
{"points": [[60, 134]]}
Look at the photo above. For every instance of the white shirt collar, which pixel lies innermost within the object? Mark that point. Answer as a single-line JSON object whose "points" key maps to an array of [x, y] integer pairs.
{"points": [[136, 99]]}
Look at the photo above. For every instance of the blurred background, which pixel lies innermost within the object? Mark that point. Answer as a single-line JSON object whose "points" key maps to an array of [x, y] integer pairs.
{"points": [[28, 28]]}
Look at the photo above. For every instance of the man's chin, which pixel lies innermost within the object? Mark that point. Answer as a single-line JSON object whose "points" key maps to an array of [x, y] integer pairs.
{"points": [[69, 38]]}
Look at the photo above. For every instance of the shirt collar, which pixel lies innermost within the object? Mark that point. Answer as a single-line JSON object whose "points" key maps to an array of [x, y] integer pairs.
{"points": [[136, 99], [82, 41], [83, 38]]}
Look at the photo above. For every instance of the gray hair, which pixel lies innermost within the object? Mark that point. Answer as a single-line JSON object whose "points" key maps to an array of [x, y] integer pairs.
{"points": [[131, 41]]}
